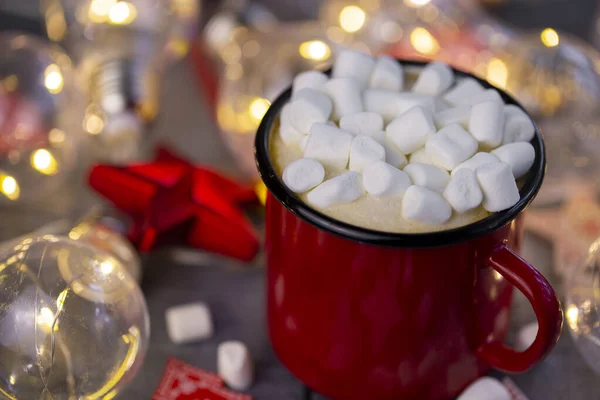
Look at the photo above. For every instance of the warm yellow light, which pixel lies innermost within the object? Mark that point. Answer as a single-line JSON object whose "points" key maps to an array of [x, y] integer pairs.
{"points": [[572, 315], [258, 108], [179, 48], [423, 41], [56, 137], [107, 267], [9, 187], [550, 37], [99, 10], [93, 124], [11, 83], [261, 192], [122, 13], [416, 3], [60, 300], [55, 24], [43, 161], [497, 276], [352, 18], [314, 50], [53, 79], [497, 73], [46, 317], [12, 379]]}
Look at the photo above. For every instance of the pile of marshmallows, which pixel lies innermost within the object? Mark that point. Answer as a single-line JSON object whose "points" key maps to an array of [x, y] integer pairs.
{"points": [[440, 146]]}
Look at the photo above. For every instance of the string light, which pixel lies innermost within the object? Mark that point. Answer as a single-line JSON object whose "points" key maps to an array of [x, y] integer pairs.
{"points": [[352, 18], [572, 315], [258, 108], [99, 10], [314, 50], [416, 3], [93, 124], [9, 187], [423, 41], [53, 79], [43, 161], [122, 13], [497, 73], [550, 37]]}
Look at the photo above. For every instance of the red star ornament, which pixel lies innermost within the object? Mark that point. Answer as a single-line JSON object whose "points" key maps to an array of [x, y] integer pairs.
{"points": [[172, 201]]}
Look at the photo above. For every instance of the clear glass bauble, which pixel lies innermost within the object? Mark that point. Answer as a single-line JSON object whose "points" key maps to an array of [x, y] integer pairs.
{"points": [[73, 322], [40, 119]]}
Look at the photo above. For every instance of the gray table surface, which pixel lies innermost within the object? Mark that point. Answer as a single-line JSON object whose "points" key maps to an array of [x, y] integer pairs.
{"points": [[235, 292]]}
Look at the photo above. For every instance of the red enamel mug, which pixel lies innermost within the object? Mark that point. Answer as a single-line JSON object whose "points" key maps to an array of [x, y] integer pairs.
{"points": [[360, 314]]}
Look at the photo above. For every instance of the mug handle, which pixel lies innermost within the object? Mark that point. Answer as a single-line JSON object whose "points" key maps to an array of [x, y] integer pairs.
{"points": [[545, 304]]}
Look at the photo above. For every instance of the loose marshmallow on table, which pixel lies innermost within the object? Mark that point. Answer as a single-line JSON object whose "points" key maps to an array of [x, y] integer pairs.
{"points": [[303, 174], [411, 130], [427, 175], [477, 160], [382, 179], [487, 123], [463, 192], [310, 106], [526, 336], [189, 322], [420, 157], [455, 115], [342, 189], [422, 205], [235, 365], [309, 79], [390, 104], [329, 145], [434, 79], [287, 132], [346, 95], [486, 388], [364, 151], [520, 156], [451, 146], [362, 123], [486, 95], [518, 127], [498, 186], [388, 74], [353, 64], [465, 89]]}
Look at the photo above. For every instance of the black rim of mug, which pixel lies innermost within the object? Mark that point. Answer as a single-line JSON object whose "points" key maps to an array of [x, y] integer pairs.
{"points": [[414, 240]]}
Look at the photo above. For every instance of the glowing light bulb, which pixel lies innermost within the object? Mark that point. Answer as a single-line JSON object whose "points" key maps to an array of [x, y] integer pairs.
{"points": [[43, 161], [497, 73], [314, 50], [53, 79], [352, 18], [572, 315], [423, 41], [107, 267], [416, 3], [122, 13], [99, 10], [93, 124], [259, 107], [550, 37], [56, 136], [9, 187]]}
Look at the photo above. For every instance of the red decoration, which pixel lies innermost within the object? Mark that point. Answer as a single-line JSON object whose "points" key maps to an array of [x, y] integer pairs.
{"points": [[21, 124], [181, 381], [172, 201]]}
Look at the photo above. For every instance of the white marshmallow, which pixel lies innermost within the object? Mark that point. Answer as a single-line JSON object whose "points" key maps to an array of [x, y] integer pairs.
{"points": [[364, 151], [486, 95], [427, 175], [235, 365], [420, 157], [329, 145], [451, 146], [310, 106], [388, 74], [382, 179], [486, 388], [439, 105], [287, 132], [393, 155], [302, 143], [346, 96], [455, 115], [189, 322], [422, 205], [309, 79], [526, 336], [342, 189], [434, 79], [463, 91], [390, 104], [518, 127], [477, 160], [463, 192], [520, 156], [363, 123], [487, 123], [498, 186], [303, 174], [353, 64], [411, 130], [331, 123]]}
